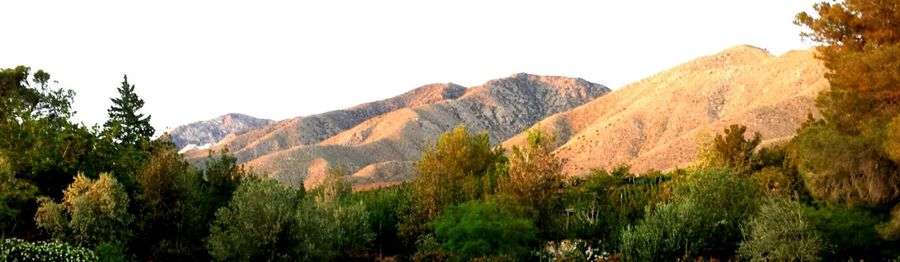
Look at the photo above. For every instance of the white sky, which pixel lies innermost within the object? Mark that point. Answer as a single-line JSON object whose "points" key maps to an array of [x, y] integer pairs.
{"points": [[194, 60]]}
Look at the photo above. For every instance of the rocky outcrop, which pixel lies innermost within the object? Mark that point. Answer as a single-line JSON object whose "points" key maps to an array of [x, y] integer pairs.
{"points": [[203, 134]]}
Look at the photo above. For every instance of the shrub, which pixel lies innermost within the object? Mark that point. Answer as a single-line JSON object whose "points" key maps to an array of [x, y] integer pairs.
{"points": [[780, 231], [16, 250], [479, 229]]}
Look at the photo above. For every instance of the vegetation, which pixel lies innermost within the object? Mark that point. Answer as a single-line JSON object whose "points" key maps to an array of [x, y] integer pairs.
{"points": [[114, 193]]}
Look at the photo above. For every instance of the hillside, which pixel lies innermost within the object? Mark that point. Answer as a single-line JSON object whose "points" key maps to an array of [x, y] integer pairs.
{"points": [[202, 134], [655, 123], [313, 129], [383, 147]]}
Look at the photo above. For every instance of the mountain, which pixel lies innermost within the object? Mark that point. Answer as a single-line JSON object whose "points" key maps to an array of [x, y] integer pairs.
{"points": [[383, 147], [309, 130], [203, 134], [655, 123]]}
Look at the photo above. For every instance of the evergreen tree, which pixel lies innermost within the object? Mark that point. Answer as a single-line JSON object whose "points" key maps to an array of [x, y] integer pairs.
{"points": [[126, 124]]}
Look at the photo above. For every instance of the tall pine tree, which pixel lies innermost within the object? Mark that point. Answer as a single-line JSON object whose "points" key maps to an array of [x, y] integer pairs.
{"points": [[126, 125], [126, 137]]}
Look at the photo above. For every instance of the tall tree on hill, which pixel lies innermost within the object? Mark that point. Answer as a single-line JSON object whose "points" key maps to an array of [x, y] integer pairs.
{"points": [[847, 156]]}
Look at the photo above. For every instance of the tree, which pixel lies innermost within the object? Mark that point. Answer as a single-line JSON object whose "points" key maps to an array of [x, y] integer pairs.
{"points": [[223, 175], [126, 125], [483, 229], [846, 156], [703, 220], [458, 168], [125, 139], [780, 231], [173, 209], [256, 224], [535, 180], [14, 193], [92, 212], [731, 150], [39, 143]]}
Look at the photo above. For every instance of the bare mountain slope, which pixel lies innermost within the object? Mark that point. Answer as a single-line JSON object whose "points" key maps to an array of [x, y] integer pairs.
{"points": [[655, 123], [313, 129], [202, 134], [382, 147]]}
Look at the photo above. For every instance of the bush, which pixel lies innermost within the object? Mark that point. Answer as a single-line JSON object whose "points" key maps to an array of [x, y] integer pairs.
{"points": [[478, 229], [703, 220], [781, 232], [15, 250]]}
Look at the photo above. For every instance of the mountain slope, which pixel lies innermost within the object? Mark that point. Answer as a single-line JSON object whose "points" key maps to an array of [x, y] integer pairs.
{"points": [[313, 129], [655, 123], [202, 134], [502, 107]]}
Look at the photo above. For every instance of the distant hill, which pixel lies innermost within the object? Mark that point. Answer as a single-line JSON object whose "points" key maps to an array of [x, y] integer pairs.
{"points": [[310, 130], [655, 123], [381, 148], [203, 134]]}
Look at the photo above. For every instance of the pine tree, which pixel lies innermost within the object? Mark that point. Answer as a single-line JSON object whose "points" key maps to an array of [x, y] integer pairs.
{"points": [[126, 125]]}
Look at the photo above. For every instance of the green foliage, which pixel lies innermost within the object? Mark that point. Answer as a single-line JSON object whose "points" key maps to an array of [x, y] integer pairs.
{"points": [[535, 180], [847, 156], [223, 175], [704, 219], [255, 225], [92, 211], [603, 203], [17, 250], [780, 231], [173, 209], [481, 229], [111, 252], [331, 230], [850, 232], [125, 124], [14, 194], [458, 168], [731, 150], [839, 167], [385, 207]]}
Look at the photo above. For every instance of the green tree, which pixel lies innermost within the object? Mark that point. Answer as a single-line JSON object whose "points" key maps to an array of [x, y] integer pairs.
{"points": [[126, 125], [256, 224], [730, 150], [535, 180], [223, 175], [125, 139], [173, 209], [780, 231], [603, 203], [39, 143], [14, 193], [92, 211], [703, 220], [846, 156], [458, 168], [484, 229]]}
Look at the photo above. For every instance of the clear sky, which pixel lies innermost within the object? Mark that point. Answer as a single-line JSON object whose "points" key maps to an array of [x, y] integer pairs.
{"points": [[194, 60]]}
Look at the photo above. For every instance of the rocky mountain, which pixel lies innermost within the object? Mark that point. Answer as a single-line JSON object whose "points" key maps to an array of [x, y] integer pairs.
{"points": [[203, 134], [381, 148], [655, 123], [309, 130]]}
